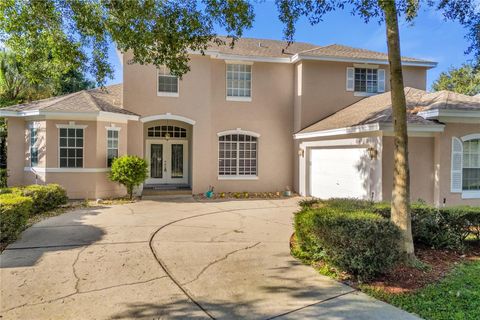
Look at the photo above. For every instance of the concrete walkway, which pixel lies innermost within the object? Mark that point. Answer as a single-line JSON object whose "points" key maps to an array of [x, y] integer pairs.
{"points": [[172, 259]]}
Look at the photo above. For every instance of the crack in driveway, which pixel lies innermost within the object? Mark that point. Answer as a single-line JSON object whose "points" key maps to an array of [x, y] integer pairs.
{"points": [[217, 261]]}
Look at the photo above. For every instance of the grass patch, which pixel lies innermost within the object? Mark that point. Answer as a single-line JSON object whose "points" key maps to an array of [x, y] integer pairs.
{"points": [[457, 296]]}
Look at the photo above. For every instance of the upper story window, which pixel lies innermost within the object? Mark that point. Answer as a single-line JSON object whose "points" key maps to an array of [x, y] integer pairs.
{"points": [[112, 145], [33, 146], [71, 146], [237, 156], [465, 171], [239, 82], [365, 80], [167, 83]]}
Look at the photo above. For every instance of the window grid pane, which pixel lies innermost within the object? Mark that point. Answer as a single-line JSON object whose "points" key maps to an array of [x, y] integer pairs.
{"points": [[71, 148], [162, 131], [237, 155], [471, 165], [239, 80], [33, 147], [112, 146], [366, 80], [167, 82]]}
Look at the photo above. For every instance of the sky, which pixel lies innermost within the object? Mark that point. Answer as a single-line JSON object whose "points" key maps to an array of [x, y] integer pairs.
{"points": [[429, 37]]}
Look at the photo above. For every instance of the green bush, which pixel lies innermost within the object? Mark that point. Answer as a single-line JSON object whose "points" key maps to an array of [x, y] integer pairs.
{"points": [[361, 243], [14, 213], [45, 197], [439, 228], [3, 178], [129, 171]]}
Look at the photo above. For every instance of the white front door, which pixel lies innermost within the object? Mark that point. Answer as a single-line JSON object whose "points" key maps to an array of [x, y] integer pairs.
{"points": [[167, 161]]}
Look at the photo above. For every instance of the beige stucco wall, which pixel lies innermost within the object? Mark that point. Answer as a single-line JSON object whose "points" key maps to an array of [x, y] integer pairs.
{"points": [[202, 99], [78, 184], [323, 89], [421, 160], [443, 144]]}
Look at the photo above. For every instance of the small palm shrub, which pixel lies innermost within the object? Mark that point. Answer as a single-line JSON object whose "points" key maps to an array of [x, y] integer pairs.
{"points": [[129, 171]]}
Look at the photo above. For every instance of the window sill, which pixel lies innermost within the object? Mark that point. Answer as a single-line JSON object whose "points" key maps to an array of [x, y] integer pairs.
{"points": [[168, 94], [365, 94], [65, 170], [471, 194], [237, 177], [240, 99]]}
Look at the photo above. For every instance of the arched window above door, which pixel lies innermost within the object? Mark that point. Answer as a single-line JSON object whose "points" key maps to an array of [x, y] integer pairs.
{"points": [[164, 131]]}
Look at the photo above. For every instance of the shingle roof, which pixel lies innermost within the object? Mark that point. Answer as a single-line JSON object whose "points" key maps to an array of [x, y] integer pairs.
{"points": [[279, 49], [341, 51], [378, 109], [107, 99]]}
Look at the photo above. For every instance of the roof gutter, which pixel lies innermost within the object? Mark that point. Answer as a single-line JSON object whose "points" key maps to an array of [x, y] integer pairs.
{"points": [[437, 113], [299, 57], [380, 127], [100, 115]]}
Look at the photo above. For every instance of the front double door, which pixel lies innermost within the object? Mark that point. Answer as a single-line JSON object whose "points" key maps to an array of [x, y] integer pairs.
{"points": [[168, 161]]}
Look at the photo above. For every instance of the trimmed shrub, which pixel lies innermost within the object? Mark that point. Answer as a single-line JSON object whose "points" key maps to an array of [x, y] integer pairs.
{"points": [[45, 197], [129, 171], [361, 243], [14, 213], [439, 228]]}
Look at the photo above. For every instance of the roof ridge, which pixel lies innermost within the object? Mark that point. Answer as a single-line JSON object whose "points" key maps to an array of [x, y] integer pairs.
{"points": [[61, 98], [92, 100]]}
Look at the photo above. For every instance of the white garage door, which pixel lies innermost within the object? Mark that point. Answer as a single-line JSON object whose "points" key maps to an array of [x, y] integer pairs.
{"points": [[339, 173]]}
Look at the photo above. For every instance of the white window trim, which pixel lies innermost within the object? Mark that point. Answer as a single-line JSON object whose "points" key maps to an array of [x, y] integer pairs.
{"points": [[71, 125], [236, 177], [469, 194], [168, 94], [364, 93], [112, 128], [234, 98]]}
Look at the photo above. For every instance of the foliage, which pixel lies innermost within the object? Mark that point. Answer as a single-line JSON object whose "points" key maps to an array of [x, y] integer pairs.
{"points": [[45, 197], [457, 296], [3, 178], [129, 171], [440, 228], [464, 80], [14, 212], [347, 238]]}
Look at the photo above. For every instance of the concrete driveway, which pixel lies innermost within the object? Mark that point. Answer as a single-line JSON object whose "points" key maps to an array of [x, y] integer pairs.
{"points": [[174, 258]]}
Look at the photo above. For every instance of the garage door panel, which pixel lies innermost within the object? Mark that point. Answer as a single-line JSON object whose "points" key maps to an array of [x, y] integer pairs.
{"points": [[339, 172]]}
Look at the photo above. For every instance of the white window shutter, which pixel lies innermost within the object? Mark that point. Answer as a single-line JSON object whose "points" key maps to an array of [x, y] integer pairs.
{"points": [[350, 79], [381, 80], [457, 164]]}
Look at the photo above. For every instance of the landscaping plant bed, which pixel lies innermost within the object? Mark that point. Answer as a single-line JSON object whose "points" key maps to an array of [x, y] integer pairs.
{"points": [[438, 264], [243, 195]]}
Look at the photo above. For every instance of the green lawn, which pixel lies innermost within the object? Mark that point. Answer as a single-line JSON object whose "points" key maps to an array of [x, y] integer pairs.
{"points": [[457, 296]]}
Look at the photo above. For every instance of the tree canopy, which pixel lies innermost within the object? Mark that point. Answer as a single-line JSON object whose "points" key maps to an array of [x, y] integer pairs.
{"points": [[465, 80], [75, 34]]}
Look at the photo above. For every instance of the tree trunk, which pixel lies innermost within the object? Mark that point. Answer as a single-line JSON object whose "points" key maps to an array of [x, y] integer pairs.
{"points": [[401, 175]]}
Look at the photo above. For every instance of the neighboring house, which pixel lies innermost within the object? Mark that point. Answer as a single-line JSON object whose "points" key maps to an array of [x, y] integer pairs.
{"points": [[259, 117]]}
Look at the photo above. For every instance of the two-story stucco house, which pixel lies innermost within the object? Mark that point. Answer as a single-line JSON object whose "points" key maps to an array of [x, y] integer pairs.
{"points": [[259, 117]]}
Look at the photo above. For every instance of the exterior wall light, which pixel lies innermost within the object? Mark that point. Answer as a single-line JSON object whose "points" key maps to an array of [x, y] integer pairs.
{"points": [[372, 153], [301, 152]]}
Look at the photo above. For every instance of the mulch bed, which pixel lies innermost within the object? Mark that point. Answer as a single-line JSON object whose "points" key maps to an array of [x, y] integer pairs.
{"points": [[404, 279]]}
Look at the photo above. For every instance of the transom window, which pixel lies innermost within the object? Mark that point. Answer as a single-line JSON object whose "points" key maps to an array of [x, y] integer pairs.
{"points": [[471, 165], [33, 147], [239, 81], [167, 131], [167, 83], [71, 147], [366, 80], [237, 155], [112, 146]]}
